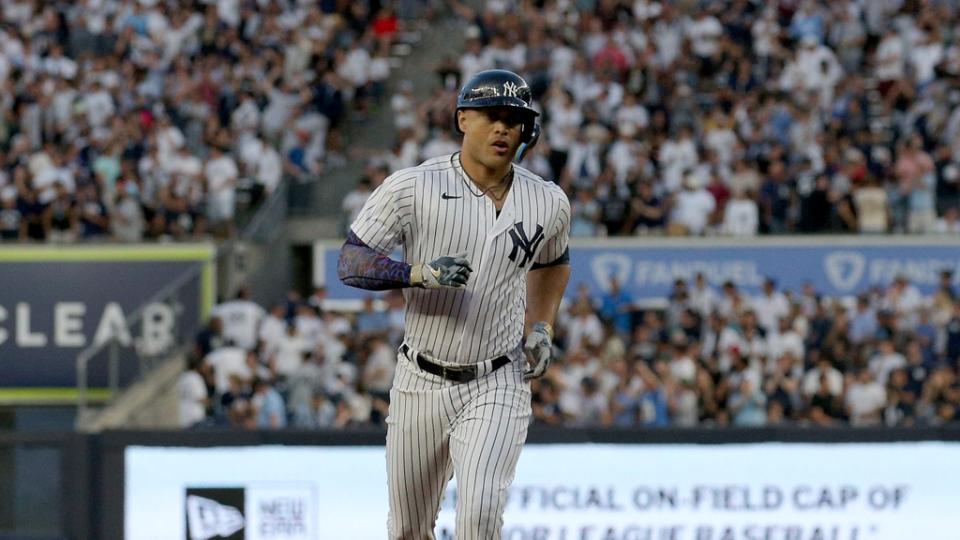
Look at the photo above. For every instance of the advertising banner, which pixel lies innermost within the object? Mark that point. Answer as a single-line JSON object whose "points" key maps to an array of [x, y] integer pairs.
{"points": [[647, 268], [769, 491], [55, 302]]}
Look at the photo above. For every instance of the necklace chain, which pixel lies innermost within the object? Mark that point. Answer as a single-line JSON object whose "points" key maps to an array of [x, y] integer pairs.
{"points": [[502, 183]]}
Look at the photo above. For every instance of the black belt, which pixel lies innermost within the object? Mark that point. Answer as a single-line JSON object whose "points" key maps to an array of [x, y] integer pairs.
{"points": [[459, 374]]}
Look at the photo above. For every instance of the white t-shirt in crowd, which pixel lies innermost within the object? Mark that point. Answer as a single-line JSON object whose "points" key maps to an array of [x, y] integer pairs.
{"points": [[562, 59], [784, 342], [356, 67], [565, 121], [99, 106], [694, 209], [288, 354], [583, 329], [222, 175], [704, 35], [271, 330], [241, 321], [269, 169], [865, 402], [227, 361], [882, 364], [770, 308], [353, 203], [765, 33], [890, 58], [811, 382], [470, 64], [378, 372], [703, 300], [741, 217], [924, 58], [311, 328], [675, 157], [191, 392]]}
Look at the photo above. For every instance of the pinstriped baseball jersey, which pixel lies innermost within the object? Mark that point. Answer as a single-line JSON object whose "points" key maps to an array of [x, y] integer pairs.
{"points": [[434, 210], [437, 427]]}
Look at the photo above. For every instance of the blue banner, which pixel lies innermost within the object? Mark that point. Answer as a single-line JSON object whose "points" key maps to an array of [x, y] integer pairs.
{"points": [[647, 269], [57, 301]]}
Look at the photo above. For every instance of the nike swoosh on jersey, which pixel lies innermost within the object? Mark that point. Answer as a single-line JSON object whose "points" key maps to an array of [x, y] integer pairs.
{"points": [[445, 196]]}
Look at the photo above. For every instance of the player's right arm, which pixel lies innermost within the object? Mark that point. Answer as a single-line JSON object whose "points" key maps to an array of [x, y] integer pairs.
{"points": [[378, 229]]}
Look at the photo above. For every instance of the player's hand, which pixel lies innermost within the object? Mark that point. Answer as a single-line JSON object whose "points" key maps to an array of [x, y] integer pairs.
{"points": [[449, 272], [539, 349]]}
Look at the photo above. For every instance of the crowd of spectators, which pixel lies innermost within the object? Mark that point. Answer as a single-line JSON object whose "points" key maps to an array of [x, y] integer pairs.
{"points": [[735, 117], [714, 356], [133, 119]]}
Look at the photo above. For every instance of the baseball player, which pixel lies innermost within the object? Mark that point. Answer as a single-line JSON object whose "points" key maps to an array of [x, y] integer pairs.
{"points": [[484, 267]]}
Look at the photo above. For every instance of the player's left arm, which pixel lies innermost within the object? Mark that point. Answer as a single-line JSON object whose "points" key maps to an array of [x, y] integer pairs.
{"points": [[546, 282], [545, 287]]}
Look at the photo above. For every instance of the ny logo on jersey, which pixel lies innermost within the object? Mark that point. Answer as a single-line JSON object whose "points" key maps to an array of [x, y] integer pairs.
{"points": [[510, 89], [522, 243]]}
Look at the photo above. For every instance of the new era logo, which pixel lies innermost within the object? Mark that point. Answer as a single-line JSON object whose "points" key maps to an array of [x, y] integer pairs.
{"points": [[215, 513], [276, 511]]}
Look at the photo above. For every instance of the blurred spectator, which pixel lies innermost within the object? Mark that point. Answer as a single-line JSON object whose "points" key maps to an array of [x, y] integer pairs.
{"points": [[13, 225], [286, 356], [872, 208], [886, 360], [268, 406], [617, 307], [748, 404], [241, 319], [865, 399], [225, 363], [221, 180], [740, 215], [273, 328], [192, 396], [770, 306], [585, 328], [209, 338], [692, 207], [127, 217]]}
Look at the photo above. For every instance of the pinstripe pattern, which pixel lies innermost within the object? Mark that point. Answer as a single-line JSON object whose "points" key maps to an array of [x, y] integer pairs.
{"points": [[437, 428]]}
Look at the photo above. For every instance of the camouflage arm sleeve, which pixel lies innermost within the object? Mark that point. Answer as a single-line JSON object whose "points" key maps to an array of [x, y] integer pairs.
{"points": [[363, 267]]}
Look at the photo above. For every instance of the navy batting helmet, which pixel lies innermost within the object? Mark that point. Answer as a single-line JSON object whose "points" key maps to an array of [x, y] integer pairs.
{"points": [[499, 88]]}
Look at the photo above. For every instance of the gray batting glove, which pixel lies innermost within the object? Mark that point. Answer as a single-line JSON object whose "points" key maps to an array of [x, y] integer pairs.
{"points": [[449, 272], [539, 349]]}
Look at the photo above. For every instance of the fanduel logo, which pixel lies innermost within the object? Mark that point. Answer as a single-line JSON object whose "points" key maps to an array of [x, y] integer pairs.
{"points": [[208, 518], [611, 264], [845, 269]]}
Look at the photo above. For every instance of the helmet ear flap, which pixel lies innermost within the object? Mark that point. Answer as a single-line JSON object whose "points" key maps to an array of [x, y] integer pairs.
{"points": [[527, 142], [528, 128]]}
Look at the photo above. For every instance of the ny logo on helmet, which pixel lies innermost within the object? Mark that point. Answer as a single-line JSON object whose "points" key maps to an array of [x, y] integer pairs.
{"points": [[510, 89], [521, 243]]}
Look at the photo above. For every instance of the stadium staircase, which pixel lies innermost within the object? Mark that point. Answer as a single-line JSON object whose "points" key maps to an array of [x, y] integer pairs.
{"points": [[315, 207]]}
